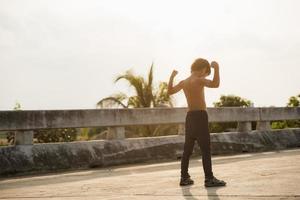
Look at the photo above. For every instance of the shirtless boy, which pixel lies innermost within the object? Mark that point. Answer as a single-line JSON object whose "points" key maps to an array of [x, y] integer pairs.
{"points": [[196, 124]]}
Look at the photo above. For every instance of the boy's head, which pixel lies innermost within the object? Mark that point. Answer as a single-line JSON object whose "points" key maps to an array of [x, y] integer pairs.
{"points": [[201, 67]]}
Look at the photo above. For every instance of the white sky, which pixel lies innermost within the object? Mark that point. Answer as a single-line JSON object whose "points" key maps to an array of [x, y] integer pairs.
{"points": [[65, 54]]}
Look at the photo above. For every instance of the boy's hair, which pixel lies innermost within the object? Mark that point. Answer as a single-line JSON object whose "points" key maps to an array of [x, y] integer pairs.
{"points": [[200, 64]]}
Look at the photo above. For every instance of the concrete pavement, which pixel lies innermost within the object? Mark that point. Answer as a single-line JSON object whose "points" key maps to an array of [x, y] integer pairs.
{"points": [[268, 175]]}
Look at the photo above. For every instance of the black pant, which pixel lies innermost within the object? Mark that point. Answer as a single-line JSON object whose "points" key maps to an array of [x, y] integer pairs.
{"points": [[196, 129]]}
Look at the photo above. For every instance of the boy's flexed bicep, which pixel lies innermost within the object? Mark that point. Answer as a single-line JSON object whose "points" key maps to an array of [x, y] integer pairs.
{"points": [[174, 89], [216, 80]]}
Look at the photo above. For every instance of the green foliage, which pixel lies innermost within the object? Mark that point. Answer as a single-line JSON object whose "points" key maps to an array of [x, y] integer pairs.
{"points": [[84, 134], [228, 101], [232, 101], [293, 123], [151, 130], [90, 133], [279, 125], [17, 106], [55, 135], [161, 96], [10, 136], [285, 124], [294, 101], [217, 127]]}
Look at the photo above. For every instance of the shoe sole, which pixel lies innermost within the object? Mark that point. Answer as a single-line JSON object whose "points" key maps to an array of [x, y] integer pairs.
{"points": [[186, 184], [216, 185]]}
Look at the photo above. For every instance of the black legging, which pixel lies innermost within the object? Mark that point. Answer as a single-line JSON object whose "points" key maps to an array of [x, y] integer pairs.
{"points": [[196, 128]]}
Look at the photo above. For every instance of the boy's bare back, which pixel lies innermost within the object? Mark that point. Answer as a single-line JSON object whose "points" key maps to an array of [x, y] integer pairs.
{"points": [[194, 93], [194, 85]]}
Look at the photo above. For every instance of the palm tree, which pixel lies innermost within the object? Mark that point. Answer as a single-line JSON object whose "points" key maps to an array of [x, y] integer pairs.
{"points": [[145, 93]]}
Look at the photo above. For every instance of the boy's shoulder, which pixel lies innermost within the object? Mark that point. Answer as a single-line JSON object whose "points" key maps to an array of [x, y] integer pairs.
{"points": [[196, 79]]}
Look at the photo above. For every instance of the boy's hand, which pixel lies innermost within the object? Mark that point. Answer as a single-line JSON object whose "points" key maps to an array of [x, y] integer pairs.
{"points": [[174, 73], [214, 65]]}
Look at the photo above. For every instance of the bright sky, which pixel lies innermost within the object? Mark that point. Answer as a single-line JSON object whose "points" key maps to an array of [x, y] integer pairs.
{"points": [[63, 54]]}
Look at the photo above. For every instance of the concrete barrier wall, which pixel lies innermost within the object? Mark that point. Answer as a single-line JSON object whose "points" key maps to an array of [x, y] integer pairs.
{"points": [[43, 119], [24, 122], [75, 155]]}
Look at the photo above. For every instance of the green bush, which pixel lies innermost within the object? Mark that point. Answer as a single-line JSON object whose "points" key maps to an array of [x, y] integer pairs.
{"points": [[294, 101], [228, 101], [55, 135]]}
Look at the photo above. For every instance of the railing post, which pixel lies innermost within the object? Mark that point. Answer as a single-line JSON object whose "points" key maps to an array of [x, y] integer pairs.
{"points": [[244, 127], [116, 133], [263, 125], [23, 137], [181, 129]]}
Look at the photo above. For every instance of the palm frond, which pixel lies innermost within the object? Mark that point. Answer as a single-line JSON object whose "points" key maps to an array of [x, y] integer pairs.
{"points": [[150, 76], [114, 100], [148, 89], [137, 82], [134, 102], [161, 96]]}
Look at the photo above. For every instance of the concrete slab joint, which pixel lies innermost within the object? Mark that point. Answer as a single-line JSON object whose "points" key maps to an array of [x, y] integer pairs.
{"points": [[116, 133]]}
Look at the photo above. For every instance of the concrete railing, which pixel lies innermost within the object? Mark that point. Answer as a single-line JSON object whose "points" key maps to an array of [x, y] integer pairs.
{"points": [[25, 122]]}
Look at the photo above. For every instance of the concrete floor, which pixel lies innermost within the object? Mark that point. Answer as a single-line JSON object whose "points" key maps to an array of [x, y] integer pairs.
{"points": [[269, 175]]}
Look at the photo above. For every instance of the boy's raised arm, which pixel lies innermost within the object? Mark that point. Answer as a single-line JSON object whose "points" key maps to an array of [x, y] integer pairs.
{"points": [[174, 89], [216, 79]]}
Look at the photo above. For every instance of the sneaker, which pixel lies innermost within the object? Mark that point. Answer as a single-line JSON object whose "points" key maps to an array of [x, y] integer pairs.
{"points": [[186, 181], [214, 182]]}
